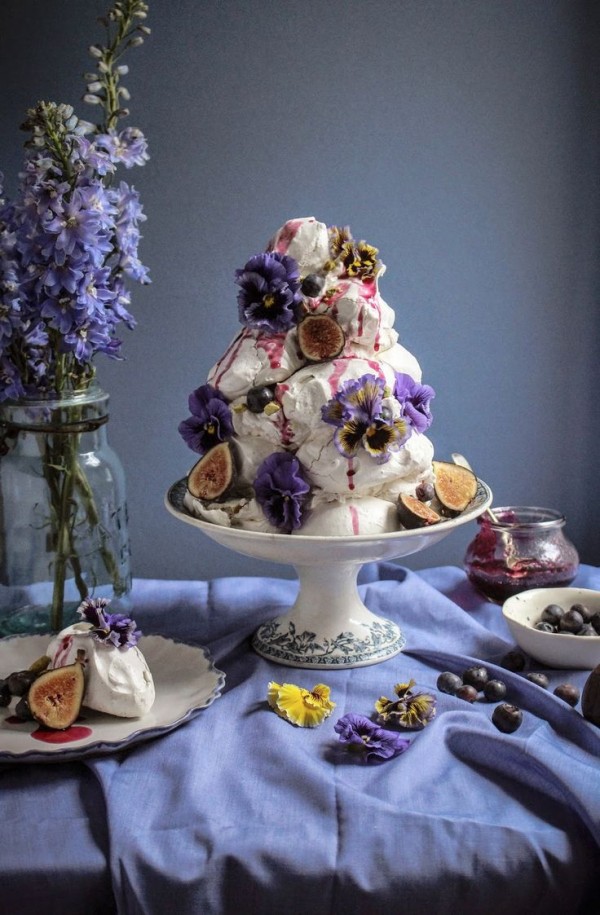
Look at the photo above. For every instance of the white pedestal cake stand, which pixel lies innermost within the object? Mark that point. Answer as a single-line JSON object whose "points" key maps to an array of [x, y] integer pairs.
{"points": [[328, 626]]}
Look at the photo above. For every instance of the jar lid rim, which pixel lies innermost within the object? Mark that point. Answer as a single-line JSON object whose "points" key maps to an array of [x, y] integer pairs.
{"points": [[524, 517]]}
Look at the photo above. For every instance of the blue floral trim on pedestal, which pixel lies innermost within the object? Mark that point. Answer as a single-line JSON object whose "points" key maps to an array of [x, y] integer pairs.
{"points": [[383, 640]]}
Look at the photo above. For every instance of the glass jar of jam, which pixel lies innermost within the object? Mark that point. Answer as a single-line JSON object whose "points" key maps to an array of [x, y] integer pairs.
{"points": [[520, 548]]}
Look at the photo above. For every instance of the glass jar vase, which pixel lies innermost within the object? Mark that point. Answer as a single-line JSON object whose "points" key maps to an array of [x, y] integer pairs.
{"points": [[63, 512], [523, 548]]}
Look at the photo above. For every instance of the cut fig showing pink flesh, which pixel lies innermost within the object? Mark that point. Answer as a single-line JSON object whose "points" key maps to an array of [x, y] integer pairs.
{"points": [[455, 486], [212, 476], [413, 513], [320, 337]]}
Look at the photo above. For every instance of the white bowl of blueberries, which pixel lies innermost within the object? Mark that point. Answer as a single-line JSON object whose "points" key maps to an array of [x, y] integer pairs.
{"points": [[559, 627]]}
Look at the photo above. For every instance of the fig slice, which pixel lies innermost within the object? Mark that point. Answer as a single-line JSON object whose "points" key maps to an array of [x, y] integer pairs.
{"points": [[55, 698], [414, 513], [320, 337], [212, 476], [455, 486]]}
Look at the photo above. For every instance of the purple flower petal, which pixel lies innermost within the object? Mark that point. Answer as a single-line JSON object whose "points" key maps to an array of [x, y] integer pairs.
{"points": [[415, 399], [269, 296], [282, 491], [360, 735]]}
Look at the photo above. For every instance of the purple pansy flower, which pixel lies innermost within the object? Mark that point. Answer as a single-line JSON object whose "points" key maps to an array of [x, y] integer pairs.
{"points": [[269, 297], [362, 418], [210, 422], [282, 491], [415, 399], [373, 743], [110, 628]]}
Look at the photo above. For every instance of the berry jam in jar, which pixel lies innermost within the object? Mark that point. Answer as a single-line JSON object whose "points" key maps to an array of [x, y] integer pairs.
{"points": [[520, 548]]}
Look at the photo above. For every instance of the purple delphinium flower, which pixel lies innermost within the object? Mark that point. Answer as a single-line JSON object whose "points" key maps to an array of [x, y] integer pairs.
{"points": [[269, 297], [68, 243], [415, 399], [373, 743], [210, 422], [110, 628], [282, 491], [361, 417]]}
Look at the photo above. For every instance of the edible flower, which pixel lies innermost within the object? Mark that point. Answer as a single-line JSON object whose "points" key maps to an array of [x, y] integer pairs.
{"points": [[374, 744], [111, 628], [270, 297], [282, 491], [363, 419], [409, 710], [306, 708], [359, 259], [210, 422], [415, 400]]}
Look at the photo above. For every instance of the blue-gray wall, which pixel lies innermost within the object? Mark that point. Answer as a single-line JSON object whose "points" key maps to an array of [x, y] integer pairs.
{"points": [[459, 136]]}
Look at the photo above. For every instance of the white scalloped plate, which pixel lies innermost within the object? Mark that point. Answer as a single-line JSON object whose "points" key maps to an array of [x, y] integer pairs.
{"points": [[185, 679]]}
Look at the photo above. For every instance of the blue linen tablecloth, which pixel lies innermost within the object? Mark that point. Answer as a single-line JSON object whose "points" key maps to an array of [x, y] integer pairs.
{"points": [[238, 811]]}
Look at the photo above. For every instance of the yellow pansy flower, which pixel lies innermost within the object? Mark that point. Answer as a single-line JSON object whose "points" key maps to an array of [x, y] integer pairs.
{"points": [[306, 708]]}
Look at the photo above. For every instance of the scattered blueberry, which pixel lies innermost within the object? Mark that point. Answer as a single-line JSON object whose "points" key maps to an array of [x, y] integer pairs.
{"points": [[5, 694], [312, 285], [425, 492], [507, 718], [20, 681], [544, 626], [514, 660], [571, 622], [447, 682], [258, 398], [538, 678], [476, 676], [494, 690], [568, 693], [22, 709], [583, 611], [466, 692], [552, 614]]}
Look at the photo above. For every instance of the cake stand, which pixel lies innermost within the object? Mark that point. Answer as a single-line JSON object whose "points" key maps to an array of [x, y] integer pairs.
{"points": [[329, 626]]}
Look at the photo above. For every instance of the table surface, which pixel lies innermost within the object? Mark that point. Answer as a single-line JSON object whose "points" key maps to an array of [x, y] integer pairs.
{"points": [[238, 811]]}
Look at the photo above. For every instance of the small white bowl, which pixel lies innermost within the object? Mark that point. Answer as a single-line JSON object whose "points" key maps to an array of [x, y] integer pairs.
{"points": [[576, 652]]}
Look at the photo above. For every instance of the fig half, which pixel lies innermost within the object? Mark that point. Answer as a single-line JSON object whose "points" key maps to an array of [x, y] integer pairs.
{"points": [[413, 513], [55, 698], [455, 486], [212, 477], [320, 337]]}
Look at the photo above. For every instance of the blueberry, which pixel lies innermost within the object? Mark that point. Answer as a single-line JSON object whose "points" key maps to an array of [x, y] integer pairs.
{"points": [[22, 709], [507, 718], [552, 613], [568, 693], [258, 398], [587, 629], [494, 690], [20, 681], [447, 682], [312, 285], [595, 622], [539, 679], [571, 622], [544, 626], [476, 676], [583, 610], [5, 694], [514, 660], [467, 692], [425, 492]]}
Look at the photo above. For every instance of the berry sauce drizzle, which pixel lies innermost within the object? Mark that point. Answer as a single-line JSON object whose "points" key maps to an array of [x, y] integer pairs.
{"points": [[69, 735]]}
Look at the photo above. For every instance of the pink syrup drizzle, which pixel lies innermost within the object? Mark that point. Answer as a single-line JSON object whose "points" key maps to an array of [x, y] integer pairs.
{"points": [[69, 735], [287, 235], [273, 347], [354, 515], [228, 358], [350, 473], [61, 656], [339, 366]]}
